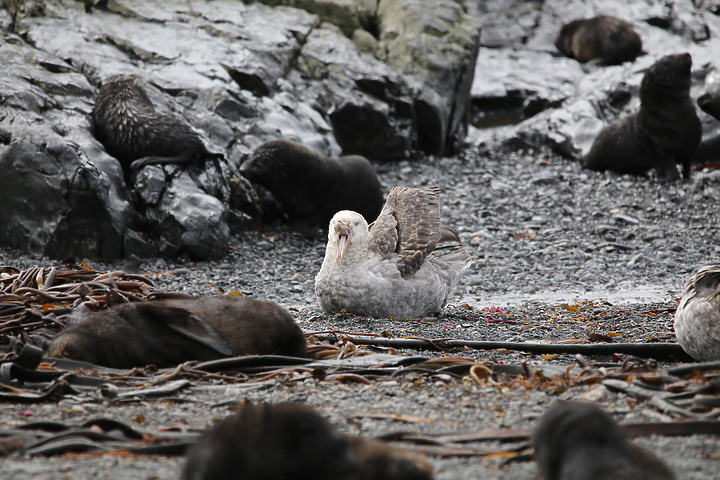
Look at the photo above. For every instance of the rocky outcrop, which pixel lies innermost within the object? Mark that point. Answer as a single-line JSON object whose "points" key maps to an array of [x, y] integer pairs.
{"points": [[433, 43], [437, 41], [386, 79], [543, 101], [58, 203], [342, 77]]}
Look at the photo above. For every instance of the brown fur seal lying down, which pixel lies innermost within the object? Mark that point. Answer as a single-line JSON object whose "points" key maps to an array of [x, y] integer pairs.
{"points": [[127, 124], [168, 332], [311, 187], [291, 441], [604, 39], [578, 441], [664, 132]]}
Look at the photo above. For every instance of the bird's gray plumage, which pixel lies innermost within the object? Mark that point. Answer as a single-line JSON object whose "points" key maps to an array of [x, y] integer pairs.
{"points": [[697, 319], [404, 265]]}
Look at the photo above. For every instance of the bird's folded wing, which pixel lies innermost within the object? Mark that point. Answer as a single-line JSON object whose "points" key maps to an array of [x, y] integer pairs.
{"points": [[705, 282], [408, 225]]}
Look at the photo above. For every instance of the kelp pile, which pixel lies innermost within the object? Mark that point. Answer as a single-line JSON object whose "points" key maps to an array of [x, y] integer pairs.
{"points": [[38, 299]]}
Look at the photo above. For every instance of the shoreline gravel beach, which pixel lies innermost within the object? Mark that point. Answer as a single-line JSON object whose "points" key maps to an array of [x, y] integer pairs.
{"points": [[544, 235]]}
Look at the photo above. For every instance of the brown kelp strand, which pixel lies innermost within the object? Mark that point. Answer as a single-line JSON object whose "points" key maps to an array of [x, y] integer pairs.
{"points": [[40, 298]]}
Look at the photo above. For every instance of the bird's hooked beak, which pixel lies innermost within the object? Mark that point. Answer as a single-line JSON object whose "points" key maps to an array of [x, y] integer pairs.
{"points": [[344, 233]]}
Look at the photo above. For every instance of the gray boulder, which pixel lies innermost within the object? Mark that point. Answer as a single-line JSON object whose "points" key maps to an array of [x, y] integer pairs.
{"points": [[180, 217], [433, 44], [57, 203], [437, 41], [370, 105]]}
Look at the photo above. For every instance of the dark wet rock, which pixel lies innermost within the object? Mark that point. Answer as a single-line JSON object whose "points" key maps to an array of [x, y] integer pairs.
{"points": [[348, 15], [371, 106], [150, 185], [505, 23], [514, 85], [437, 41], [55, 201], [686, 20], [180, 216], [709, 102]]}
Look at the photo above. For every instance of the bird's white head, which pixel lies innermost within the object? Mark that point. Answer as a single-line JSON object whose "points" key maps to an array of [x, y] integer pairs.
{"points": [[346, 228]]}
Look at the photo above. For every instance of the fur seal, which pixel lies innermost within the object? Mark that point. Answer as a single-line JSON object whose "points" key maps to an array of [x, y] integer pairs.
{"points": [[578, 440], [603, 39], [270, 442], [289, 440], [134, 132], [168, 332], [311, 187], [664, 132], [709, 103], [379, 461]]}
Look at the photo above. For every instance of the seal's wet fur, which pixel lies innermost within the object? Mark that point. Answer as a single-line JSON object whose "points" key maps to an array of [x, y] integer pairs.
{"points": [[311, 187], [603, 39], [134, 132], [665, 132], [168, 332]]}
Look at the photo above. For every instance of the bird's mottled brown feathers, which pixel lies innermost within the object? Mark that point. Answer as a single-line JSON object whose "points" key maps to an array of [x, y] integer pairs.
{"points": [[705, 282], [408, 225]]}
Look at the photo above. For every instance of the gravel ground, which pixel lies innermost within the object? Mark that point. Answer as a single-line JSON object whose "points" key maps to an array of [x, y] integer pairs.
{"points": [[561, 253]]}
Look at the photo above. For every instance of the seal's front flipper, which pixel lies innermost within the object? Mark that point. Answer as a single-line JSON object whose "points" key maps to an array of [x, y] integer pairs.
{"points": [[186, 324]]}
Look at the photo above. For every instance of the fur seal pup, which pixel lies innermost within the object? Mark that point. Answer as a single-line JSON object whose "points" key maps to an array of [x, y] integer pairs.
{"points": [[168, 332], [578, 440], [270, 442], [311, 187], [377, 460], [289, 440], [709, 103], [603, 39], [664, 132], [134, 132]]}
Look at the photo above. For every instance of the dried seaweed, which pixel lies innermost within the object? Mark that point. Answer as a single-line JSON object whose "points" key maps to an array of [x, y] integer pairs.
{"points": [[39, 299], [659, 351]]}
